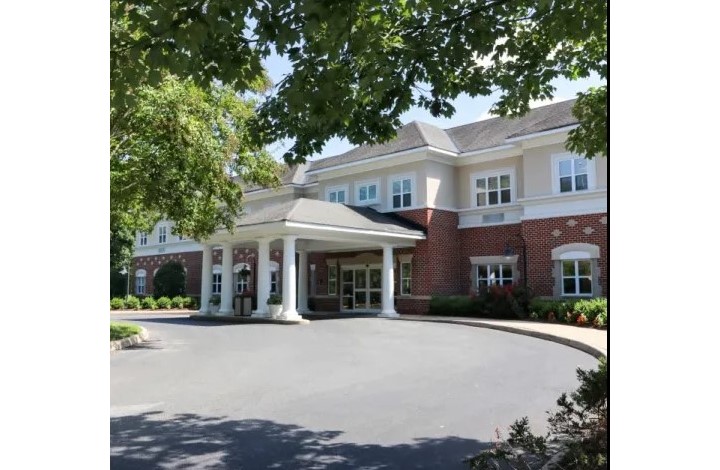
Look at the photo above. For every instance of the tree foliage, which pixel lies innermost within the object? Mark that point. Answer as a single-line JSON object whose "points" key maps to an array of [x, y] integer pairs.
{"points": [[176, 154], [357, 65], [169, 281]]}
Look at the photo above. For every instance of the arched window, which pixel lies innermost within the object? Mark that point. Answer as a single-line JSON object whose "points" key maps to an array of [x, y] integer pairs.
{"points": [[274, 277], [217, 279], [242, 274], [576, 270], [140, 277]]}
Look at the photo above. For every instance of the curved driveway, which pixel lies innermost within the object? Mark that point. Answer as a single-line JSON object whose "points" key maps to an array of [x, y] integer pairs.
{"points": [[335, 394]]}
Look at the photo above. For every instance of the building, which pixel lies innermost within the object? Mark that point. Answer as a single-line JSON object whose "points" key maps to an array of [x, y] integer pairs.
{"points": [[382, 228]]}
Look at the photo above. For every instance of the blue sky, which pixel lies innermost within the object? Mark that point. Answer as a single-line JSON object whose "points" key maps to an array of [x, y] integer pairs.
{"points": [[467, 109]]}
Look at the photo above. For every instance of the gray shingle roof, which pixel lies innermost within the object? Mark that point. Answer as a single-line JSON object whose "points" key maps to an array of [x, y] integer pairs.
{"points": [[313, 211], [291, 175], [410, 136], [466, 138], [493, 132]]}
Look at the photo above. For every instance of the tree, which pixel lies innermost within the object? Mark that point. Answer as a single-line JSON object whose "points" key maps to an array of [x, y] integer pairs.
{"points": [[357, 65], [169, 281], [177, 154]]}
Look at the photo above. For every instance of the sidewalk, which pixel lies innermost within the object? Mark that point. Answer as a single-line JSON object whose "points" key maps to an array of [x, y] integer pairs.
{"points": [[590, 340]]}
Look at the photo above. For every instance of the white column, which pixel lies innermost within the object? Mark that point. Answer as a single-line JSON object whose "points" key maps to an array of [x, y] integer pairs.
{"points": [[388, 283], [303, 282], [226, 292], [263, 278], [289, 284], [206, 280]]}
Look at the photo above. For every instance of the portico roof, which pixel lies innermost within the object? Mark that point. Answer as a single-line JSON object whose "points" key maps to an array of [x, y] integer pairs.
{"points": [[315, 212], [322, 220]]}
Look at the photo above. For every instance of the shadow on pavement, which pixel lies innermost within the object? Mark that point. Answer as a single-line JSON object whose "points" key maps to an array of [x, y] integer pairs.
{"points": [[145, 441]]}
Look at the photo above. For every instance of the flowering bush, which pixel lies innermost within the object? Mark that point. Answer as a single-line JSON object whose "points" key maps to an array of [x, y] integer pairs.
{"points": [[581, 320]]}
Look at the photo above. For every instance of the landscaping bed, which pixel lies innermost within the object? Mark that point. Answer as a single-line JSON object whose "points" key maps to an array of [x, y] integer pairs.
{"points": [[515, 303], [150, 303]]}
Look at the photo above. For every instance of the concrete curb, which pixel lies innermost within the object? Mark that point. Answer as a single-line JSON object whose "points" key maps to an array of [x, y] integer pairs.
{"points": [[584, 347], [130, 340], [247, 320]]}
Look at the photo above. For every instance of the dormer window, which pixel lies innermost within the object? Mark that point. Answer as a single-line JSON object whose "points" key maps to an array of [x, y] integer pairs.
{"points": [[337, 194], [367, 192]]}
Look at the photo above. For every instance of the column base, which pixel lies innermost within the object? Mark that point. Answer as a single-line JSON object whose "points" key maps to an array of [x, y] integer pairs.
{"points": [[291, 315], [388, 314], [226, 312], [204, 312]]}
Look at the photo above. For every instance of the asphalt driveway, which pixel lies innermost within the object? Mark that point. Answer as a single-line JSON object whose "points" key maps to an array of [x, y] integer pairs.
{"points": [[335, 394]]}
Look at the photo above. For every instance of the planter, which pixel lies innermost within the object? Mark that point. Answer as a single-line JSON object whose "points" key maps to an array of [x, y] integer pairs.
{"points": [[214, 308], [275, 311]]}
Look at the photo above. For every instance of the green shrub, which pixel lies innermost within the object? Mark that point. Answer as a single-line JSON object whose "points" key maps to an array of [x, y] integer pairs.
{"points": [[190, 303], [164, 302], [132, 302], [117, 303], [122, 330], [274, 299], [169, 281], [591, 308], [149, 303], [534, 315], [178, 301], [215, 299]]}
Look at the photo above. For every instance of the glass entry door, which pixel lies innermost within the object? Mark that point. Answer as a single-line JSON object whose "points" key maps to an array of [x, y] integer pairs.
{"points": [[362, 288]]}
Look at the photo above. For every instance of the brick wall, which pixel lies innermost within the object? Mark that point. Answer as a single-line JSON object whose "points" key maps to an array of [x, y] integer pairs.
{"points": [[486, 241], [543, 235]]}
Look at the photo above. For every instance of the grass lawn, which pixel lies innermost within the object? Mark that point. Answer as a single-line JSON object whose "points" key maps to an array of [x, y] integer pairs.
{"points": [[122, 330]]}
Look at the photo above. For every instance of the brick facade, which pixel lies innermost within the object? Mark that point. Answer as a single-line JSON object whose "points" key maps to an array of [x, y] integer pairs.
{"points": [[440, 264]]}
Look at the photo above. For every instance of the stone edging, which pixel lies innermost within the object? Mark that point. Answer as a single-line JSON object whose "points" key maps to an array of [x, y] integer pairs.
{"points": [[584, 347], [130, 340]]}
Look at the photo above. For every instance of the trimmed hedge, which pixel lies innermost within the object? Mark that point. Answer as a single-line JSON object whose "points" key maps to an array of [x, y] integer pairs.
{"points": [[132, 303], [117, 303], [149, 303], [164, 302], [178, 301]]}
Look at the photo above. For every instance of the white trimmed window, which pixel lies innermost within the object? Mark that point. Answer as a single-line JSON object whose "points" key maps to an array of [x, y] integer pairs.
{"points": [[140, 277], [332, 280], [493, 188], [572, 173], [366, 192], [576, 270], [162, 234], [402, 189], [405, 278], [217, 279], [242, 277], [337, 194], [142, 239], [577, 277], [494, 274]]}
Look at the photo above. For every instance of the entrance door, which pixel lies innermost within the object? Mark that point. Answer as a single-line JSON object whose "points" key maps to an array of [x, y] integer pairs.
{"points": [[362, 288]]}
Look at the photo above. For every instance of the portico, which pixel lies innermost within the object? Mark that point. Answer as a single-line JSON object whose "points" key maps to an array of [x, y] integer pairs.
{"points": [[304, 226]]}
